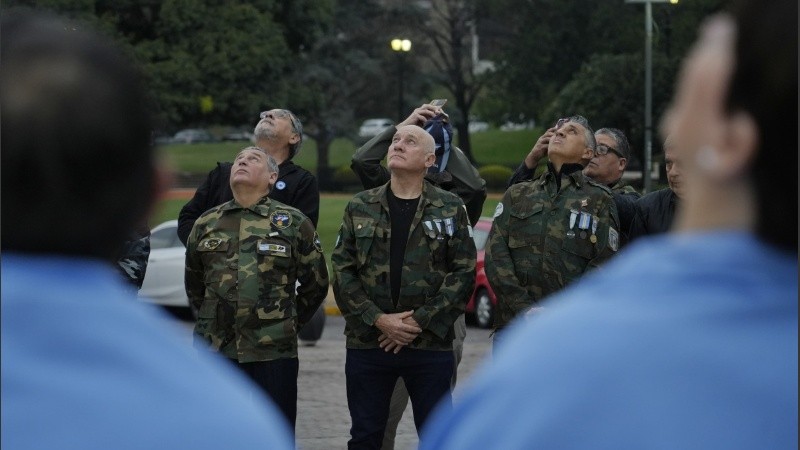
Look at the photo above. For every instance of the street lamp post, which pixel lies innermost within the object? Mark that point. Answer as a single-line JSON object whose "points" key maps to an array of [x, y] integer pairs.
{"points": [[648, 87], [401, 47]]}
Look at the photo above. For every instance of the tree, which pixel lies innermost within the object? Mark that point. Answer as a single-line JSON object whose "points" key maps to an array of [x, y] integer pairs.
{"points": [[601, 91], [342, 76], [451, 30]]}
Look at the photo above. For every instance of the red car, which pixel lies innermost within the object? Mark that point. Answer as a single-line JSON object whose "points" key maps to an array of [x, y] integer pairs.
{"points": [[482, 303]]}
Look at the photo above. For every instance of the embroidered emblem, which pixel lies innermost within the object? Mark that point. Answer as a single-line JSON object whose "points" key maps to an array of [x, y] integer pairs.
{"points": [[498, 210], [281, 219], [211, 244]]}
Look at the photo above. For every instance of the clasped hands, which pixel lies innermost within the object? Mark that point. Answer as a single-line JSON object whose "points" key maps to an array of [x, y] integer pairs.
{"points": [[397, 330]]}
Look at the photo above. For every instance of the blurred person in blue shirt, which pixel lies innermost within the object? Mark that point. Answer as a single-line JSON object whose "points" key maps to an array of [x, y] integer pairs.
{"points": [[84, 365], [688, 339]]}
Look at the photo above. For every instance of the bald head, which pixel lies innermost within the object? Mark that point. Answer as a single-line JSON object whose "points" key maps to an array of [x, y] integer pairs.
{"points": [[412, 150]]}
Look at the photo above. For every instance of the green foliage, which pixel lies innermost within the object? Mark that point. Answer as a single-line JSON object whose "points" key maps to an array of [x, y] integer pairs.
{"points": [[496, 176], [345, 177], [588, 94]]}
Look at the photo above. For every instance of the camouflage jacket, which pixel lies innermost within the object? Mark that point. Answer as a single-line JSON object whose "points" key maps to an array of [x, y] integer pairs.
{"points": [[242, 267], [543, 239], [623, 188], [438, 271], [134, 255]]}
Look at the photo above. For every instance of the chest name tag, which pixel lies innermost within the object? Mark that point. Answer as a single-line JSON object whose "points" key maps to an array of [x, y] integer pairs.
{"points": [[266, 248]]}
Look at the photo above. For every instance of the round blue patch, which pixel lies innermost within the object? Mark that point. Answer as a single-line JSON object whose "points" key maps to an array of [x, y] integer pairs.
{"points": [[280, 185]]}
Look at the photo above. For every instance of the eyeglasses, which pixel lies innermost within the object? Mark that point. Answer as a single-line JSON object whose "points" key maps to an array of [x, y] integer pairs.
{"points": [[283, 114], [561, 121], [601, 150]]}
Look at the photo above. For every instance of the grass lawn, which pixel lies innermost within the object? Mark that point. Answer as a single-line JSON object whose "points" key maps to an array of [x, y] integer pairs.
{"points": [[489, 147]]}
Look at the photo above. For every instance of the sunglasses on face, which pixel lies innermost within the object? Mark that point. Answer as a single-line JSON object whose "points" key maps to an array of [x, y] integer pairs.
{"points": [[601, 150]]}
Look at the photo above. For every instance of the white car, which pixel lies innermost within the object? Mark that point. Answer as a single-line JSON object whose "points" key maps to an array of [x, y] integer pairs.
{"points": [[163, 280], [372, 127]]}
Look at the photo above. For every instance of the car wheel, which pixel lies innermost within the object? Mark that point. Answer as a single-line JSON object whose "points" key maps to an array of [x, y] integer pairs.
{"points": [[484, 310]]}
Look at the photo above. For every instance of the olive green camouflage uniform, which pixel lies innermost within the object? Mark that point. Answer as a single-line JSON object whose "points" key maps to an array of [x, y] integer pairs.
{"points": [[624, 189], [530, 255], [438, 272], [242, 265]]}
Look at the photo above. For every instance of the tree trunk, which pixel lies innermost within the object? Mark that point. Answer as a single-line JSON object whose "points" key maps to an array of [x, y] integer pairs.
{"points": [[324, 171]]}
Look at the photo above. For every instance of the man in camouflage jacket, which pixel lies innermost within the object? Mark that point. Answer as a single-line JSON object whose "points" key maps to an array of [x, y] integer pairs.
{"points": [[243, 261], [404, 266], [547, 232]]}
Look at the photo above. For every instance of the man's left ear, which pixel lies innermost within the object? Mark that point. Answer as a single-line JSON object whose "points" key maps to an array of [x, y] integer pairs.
{"points": [[294, 139], [736, 150], [623, 163]]}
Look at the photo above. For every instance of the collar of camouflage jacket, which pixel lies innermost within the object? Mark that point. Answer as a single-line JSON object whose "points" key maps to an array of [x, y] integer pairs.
{"points": [[429, 195], [262, 207]]}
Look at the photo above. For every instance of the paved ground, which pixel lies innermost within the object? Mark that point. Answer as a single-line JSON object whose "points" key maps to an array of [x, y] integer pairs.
{"points": [[323, 420]]}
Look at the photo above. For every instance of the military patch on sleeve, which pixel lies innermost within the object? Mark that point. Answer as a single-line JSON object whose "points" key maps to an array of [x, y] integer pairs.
{"points": [[211, 244], [339, 237], [613, 239], [498, 210], [281, 219], [317, 243]]}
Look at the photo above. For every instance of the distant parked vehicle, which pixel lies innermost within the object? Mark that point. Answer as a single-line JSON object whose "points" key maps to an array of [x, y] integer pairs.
{"points": [[372, 127], [192, 136], [515, 126], [477, 126], [239, 135]]}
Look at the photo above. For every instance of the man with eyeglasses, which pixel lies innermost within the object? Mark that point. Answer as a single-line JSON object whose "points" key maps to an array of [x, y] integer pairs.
{"points": [[549, 231], [280, 133], [606, 165]]}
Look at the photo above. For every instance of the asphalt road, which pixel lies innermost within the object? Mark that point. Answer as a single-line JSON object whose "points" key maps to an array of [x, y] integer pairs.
{"points": [[323, 420]]}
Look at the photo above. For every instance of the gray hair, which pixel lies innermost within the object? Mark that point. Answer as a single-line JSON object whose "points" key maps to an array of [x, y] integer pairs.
{"points": [[623, 146], [271, 163], [297, 127], [588, 132]]}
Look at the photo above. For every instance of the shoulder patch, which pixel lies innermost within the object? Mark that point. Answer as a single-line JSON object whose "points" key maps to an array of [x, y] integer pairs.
{"points": [[498, 210], [281, 219], [613, 239], [317, 243]]}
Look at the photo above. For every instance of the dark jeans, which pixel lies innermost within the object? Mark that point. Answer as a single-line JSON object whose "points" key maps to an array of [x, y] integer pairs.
{"points": [[278, 378], [371, 377]]}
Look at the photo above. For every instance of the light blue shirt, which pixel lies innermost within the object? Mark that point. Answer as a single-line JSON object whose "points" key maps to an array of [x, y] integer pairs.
{"points": [[87, 366], [680, 342]]}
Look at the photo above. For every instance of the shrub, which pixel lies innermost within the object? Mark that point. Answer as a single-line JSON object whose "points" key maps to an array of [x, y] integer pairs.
{"points": [[496, 176], [346, 179]]}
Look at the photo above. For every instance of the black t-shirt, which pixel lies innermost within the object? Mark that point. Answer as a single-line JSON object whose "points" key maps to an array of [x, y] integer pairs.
{"points": [[401, 214]]}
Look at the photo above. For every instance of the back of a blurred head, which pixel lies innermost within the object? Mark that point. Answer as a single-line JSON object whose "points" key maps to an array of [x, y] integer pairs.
{"points": [[78, 167], [764, 84]]}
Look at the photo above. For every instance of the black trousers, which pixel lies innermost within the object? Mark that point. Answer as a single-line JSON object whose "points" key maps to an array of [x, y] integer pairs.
{"points": [[278, 379], [371, 377]]}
